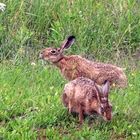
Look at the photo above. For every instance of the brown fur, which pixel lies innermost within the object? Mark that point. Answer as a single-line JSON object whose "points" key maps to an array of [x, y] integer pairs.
{"points": [[74, 66], [83, 97]]}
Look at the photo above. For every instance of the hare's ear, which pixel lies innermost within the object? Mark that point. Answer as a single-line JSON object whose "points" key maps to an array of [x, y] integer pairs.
{"points": [[67, 43], [99, 91], [105, 88], [99, 88]]}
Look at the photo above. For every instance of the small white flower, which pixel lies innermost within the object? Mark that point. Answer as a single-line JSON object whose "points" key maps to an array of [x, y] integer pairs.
{"points": [[134, 133], [33, 63], [2, 6], [52, 87], [80, 14]]}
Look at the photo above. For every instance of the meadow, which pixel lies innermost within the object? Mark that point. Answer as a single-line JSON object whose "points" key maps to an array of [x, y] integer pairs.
{"points": [[30, 90]]}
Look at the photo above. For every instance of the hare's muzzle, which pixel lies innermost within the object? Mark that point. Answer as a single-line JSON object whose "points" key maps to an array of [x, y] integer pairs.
{"points": [[41, 55]]}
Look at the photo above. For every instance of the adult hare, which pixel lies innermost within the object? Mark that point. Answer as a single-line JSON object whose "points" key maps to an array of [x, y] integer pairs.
{"points": [[74, 66]]}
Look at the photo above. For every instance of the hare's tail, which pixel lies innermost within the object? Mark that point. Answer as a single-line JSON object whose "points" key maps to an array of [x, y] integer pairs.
{"points": [[122, 81]]}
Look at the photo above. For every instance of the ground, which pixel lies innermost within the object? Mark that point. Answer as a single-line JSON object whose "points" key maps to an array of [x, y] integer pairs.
{"points": [[31, 107]]}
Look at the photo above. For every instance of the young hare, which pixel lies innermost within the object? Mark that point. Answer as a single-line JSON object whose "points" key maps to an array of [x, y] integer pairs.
{"points": [[74, 66], [83, 96]]}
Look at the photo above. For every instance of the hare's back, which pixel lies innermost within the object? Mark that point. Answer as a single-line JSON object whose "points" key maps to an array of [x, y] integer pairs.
{"points": [[80, 88], [97, 70]]}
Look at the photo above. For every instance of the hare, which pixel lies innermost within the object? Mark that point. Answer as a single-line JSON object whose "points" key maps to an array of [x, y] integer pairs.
{"points": [[84, 96], [74, 66]]}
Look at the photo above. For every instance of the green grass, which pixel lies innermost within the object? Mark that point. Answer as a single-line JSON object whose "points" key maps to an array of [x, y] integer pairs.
{"points": [[30, 106], [103, 28]]}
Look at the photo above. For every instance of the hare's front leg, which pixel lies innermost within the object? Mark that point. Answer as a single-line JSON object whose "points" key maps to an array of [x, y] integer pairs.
{"points": [[80, 114], [70, 106]]}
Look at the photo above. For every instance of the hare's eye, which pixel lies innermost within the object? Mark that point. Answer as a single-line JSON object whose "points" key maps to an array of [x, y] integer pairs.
{"points": [[53, 51]]}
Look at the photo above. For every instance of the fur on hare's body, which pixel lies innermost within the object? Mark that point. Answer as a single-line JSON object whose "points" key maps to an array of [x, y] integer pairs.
{"points": [[74, 66], [84, 96]]}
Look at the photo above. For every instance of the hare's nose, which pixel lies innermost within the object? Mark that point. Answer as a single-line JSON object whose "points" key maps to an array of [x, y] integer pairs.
{"points": [[41, 55]]}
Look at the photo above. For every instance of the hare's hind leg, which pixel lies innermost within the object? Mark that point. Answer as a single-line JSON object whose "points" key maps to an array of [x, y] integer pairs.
{"points": [[80, 114], [67, 102], [70, 106]]}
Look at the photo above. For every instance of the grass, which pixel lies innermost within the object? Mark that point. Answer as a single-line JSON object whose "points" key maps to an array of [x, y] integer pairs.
{"points": [[104, 28], [31, 107]]}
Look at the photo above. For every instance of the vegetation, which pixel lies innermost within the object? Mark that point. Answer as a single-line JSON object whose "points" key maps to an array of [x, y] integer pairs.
{"points": [[30, 105], [30, 93], [101, 27]]}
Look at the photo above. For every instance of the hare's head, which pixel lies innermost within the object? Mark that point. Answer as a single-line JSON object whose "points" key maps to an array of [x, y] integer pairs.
{"points": [[105, 106], [56, 54]]}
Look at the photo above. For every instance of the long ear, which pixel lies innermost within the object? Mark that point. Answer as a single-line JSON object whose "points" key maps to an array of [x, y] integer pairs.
{"points": [[99, 91], [99, 88], [67, 43], [105, 88]]}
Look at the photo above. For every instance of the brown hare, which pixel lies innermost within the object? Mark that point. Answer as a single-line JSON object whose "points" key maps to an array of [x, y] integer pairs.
{"points": [[84, 96], [74, 66]]}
